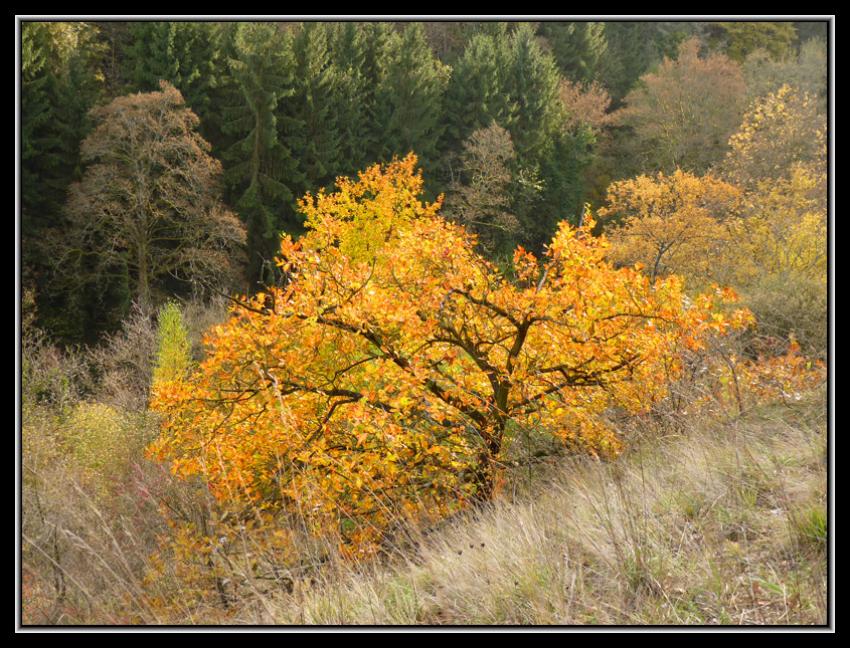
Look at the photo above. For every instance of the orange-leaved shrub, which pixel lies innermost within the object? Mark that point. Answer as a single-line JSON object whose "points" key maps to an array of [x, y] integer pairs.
{"points": [[377, 384]]}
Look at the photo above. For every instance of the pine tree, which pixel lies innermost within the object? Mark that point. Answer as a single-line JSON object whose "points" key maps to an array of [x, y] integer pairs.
{"points": [[634, 48], [533, 83], [564, 191], [37, 111], [354, 96], [409, 96], [630, 53], [578, 48], [378, 36], [260, 169], [60, 81], [152, 56], [186, 54], [477, 92], [738, 39], [312, 135]]}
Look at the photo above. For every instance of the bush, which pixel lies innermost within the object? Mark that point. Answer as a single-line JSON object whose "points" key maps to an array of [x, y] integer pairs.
{"points": [[173, 349], [791, 304], [49, 375], [104, 440], [124, 362]]}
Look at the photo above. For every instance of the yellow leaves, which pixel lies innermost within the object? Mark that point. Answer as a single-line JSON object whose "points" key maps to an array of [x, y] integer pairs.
{"points": [[395, 357], [786, 224], [780, 129], [671, 224]]}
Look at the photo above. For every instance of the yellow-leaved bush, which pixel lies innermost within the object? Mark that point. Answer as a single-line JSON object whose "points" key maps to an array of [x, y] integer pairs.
{"points": [[673, 224], [377, 384]]}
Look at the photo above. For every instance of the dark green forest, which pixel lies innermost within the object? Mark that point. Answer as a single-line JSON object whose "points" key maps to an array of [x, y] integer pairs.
{"points": [[288, 107]]}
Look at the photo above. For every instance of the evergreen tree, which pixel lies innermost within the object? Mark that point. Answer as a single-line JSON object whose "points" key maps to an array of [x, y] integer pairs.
{"points": [[152, 55], [37, 112], [60, 81], [354, 96], [564, 191], [378, 35], [477, 92], [260, 169], [533, 84], [409, 96], [738, 39], [578, 48], [634, 48], [313, 135], [59, 85], [189, 55]]}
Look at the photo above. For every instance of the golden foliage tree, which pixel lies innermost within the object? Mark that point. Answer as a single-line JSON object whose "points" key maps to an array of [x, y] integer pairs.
{"points": [[782, 129], [678, 223], [382, 381], [779, 158]]}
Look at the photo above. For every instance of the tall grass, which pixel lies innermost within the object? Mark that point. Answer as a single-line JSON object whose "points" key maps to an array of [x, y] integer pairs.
{"points": [[722, 525], [705, 519]]}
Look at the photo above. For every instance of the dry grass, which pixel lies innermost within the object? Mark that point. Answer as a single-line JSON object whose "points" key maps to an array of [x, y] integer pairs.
{"points": [[723, 522], [725, 525]]}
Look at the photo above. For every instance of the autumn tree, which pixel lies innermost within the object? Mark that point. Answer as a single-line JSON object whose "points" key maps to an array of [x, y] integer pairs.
{"points": [[150, 198], [682, 114], [379, 383], [779, 157], [787, 223], [482, 201], [672, 224], [741, 38], [585, 105], [778, 131], [781, 255]]}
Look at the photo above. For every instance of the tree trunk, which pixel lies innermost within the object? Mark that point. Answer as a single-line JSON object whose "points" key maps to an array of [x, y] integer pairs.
{"points": [[143, 289], [488, 463]]}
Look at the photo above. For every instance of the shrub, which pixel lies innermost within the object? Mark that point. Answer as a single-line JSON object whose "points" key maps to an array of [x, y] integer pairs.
{"points": [[173, 349]]}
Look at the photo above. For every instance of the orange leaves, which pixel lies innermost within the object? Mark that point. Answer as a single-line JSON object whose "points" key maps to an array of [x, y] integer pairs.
{"points": [[525, 265], [782, 377], [737, 383], [378, 384]]}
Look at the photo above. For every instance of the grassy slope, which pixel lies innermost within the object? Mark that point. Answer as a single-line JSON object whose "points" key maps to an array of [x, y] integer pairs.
{"points": [[724, 525]]}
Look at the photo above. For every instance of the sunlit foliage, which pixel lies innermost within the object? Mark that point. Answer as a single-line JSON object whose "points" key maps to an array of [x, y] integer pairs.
{"points": [[379, 382]]}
